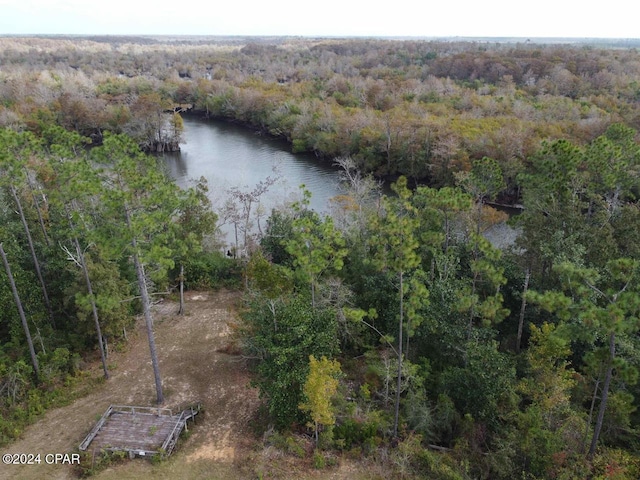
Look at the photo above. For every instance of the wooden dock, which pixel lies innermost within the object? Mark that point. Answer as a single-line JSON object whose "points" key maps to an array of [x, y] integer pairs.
{"points": [[140, 431]]}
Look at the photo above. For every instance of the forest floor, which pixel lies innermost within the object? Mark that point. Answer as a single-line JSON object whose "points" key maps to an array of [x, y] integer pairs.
{"points": [[223, 443]]}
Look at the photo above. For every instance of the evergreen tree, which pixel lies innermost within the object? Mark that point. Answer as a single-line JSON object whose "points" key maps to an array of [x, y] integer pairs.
{"points": [[396, 250], [142, 204]]}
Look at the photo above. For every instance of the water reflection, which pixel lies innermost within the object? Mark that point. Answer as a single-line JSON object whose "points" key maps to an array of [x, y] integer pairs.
{"points": [[230, 156]]}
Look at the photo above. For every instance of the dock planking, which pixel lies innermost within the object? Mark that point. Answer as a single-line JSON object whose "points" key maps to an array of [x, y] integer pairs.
{"points": [[138, 430]]}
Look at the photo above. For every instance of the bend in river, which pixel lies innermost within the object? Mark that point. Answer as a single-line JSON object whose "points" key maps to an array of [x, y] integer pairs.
{"points": [[229, 155]]}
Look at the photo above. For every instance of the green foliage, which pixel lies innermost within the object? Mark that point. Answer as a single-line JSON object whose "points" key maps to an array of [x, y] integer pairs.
{"points": [[196, 222], [352, 432], [481, 297], [549, 428], [284, 333], [272, 280], [411, 458], [550, 380], [599, 308], [484, 181], [484, 388], [616, 464], [142, 190], [92, 464], [319, 462], [416, 272], [315, 244], [438, 209], [111, 293], [286, 443], [394, 235], [279, 228], [419, 414], [211, 270]]}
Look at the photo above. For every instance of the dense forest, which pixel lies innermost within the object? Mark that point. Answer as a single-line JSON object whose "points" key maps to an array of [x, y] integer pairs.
{"points": [[392, 330]]}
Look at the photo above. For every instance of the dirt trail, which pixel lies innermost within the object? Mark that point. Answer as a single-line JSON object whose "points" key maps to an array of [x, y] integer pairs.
{"points": [[192, 369]]}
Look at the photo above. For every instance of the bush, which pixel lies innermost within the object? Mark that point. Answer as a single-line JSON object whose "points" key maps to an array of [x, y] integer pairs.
{"points": [[319, 462], [411, 458], [352, 433], [285, 351], [616, 464], [211, 270], [286, 443]]}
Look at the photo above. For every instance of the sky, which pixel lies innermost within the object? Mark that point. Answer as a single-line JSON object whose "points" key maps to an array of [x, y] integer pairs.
{"points": [[382, 18]]}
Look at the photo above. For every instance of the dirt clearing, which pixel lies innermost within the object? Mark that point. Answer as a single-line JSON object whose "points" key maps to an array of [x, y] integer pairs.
{"points": [[193, 369], [220, 446]]}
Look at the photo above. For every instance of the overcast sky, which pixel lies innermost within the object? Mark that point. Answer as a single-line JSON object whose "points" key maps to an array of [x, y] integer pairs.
{"points": [[466, 18]]}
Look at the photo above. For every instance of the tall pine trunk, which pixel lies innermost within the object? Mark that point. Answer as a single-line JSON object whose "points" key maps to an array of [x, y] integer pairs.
{"points": [[36, 263], [399, 381], [94, 308], [146, 308], [591, 409], [23, 318], [523, 307], [92, 299], [604, 396]]}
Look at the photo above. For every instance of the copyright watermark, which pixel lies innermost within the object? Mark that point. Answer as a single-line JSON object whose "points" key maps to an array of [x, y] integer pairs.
{"points": [[41, 458]]}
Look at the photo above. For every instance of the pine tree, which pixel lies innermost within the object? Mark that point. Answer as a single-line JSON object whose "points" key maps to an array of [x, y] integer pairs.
{"points": [[23, 318], [142, 204], [316, 245], [15, 149], [396, 249]]}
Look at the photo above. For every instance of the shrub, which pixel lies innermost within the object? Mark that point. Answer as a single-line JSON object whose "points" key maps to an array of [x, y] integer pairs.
{"points": [[352, 433], [211, 270], [319, 462]]}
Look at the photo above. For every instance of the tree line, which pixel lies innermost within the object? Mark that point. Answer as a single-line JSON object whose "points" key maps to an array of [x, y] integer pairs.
{"points": [[423, 109], [392, 329], [395, 321], [88, 236]]}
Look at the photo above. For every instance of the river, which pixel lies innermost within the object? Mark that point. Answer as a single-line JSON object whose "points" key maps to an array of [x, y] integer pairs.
{"points": [[229, 155]]}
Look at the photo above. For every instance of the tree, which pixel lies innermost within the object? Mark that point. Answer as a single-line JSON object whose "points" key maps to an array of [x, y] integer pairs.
{"points": [[396, 249], [80, 260], [73, 181], [319, 389], [608, 305], [197, 220], [15, 148], [23, 318], [281, 335], [273, 243], [359, 193], [316, 245], [552, 220], [483, 183], [155, 130], [143, 204], [544, 425], [246, 200], [439, 209]]}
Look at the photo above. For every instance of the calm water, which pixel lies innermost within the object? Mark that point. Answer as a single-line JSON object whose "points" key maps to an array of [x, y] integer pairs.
{"points": [[230, 156]]}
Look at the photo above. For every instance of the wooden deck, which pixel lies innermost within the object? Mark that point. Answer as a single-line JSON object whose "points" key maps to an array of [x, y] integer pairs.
{"points": [[140, 431]]}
